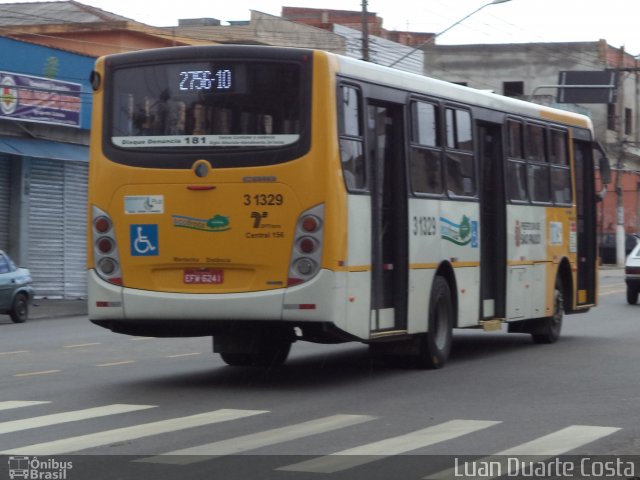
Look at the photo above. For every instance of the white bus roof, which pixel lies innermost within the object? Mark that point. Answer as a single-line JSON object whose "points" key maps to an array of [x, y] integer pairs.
{"points": [[379, 74]]}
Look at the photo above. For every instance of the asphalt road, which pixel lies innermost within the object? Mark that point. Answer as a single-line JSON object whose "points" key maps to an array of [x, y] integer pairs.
{"points": [[117, 404]]}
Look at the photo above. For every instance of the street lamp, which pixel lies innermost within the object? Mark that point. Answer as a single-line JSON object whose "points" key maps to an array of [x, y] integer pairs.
{"points": [[432, 39]]}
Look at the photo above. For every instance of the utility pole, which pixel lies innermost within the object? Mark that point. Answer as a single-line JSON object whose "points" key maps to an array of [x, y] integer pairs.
{"points": [[365, 32], [620, 233]]}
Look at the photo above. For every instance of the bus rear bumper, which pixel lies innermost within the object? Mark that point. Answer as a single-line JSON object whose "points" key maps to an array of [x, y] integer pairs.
{"points": [[142, 312]]}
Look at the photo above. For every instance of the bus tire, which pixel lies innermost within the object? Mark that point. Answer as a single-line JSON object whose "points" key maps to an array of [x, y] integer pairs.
{"points": [[273, 355], [549, 329], [435, 344], [237, 359], [265, 351]]}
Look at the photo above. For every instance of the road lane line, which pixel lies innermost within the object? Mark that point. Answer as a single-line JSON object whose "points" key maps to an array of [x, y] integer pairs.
{"points": [[82, 345], [253, 441], [8, 405], [184, 355], [371, 452], [83, 442], [14, 353], [113, 364], [543, 448], [32, 374], [561, 441], [65, 417]]}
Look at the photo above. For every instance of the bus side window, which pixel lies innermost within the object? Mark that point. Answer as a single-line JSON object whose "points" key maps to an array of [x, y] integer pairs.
{"points": [[537, 168], [352, 140], [426, 151], [516, 165], [460, 169], [560, 170]]}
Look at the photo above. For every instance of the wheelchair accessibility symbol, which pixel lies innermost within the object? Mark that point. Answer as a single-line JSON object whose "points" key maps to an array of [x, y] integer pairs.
{"points": [[144, 240]]}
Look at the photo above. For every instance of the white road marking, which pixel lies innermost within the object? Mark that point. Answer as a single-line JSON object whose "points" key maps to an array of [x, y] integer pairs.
{"points": [[545, 447], [253, 441], [371, 452], [83, 442], [18, 404], [65, 417]]}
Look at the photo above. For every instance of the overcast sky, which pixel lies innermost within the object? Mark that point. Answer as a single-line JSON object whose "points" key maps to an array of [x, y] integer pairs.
{"points": [[512, 22]]}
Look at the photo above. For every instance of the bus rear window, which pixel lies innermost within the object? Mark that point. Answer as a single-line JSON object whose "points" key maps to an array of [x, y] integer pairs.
{"points": [[215, 105]]}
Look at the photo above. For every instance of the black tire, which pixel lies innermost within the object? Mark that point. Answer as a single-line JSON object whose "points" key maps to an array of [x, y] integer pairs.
{"points": [[274, 355], [237, 359], [20, 308], [632, 296], [550, 328], [267, 352], [435, 345]]}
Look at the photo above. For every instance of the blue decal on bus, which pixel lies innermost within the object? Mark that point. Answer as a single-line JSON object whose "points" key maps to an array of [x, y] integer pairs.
{"points": [[463, 233], [144, 240], [474, 234]]}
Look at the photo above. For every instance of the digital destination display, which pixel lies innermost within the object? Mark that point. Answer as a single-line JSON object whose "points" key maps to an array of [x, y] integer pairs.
{"points": [[208, 80]]}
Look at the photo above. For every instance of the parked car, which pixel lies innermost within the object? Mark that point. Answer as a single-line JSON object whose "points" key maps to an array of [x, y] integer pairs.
{"points": [[607, 246], [632, 273], [16, 291]]}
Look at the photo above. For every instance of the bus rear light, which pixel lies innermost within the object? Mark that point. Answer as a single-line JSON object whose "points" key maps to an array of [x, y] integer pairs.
{"points": [[310, 223], [306, 254], [105, 248], [307, 245], [305, 266], [107, 266], [102, 224], [104, 244]]}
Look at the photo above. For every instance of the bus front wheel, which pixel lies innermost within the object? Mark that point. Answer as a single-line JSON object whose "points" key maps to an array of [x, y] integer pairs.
{"points": [[435, 344]]}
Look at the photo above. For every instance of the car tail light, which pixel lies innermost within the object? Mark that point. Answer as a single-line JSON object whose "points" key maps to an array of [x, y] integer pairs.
{"points": [[306, 255], [105, 248]]}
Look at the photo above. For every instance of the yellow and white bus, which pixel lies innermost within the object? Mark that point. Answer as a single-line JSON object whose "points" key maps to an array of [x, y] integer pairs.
{"points": [[265, 195]]}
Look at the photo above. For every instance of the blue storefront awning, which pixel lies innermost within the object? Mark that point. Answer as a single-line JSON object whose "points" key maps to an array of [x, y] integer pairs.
{"points": [[32, 147]]}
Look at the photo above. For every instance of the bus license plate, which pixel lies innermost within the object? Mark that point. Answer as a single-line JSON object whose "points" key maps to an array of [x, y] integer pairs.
{"points": [[201, 276]]}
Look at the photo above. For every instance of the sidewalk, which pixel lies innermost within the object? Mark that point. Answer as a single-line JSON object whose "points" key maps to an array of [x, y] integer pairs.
{"points": [[55, 308]]}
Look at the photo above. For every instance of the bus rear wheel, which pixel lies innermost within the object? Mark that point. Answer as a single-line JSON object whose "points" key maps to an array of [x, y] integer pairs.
{"points": [[435, 344], [260, 348], [549, 329], [272, 356]]}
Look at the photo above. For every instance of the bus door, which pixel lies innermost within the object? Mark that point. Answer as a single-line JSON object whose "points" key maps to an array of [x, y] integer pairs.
{"points": [[585, 230], [493, 235], [389, 207]]}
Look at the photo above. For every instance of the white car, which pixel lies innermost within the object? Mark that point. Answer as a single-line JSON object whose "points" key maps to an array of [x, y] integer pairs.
{"points": [[632, 273]]}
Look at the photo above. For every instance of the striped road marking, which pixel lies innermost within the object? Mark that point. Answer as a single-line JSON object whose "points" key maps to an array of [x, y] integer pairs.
{"points": [[548, 446], [65, 417], [18, 404], [339, 461], [257, 440], [125, 434]]}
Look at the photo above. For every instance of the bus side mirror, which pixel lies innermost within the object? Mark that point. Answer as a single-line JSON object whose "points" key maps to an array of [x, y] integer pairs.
{"points": [[605, 171]]}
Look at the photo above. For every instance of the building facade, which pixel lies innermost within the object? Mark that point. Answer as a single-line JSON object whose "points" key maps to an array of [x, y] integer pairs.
{"points": [[532, 72], [48, 51], [45, 111]]}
